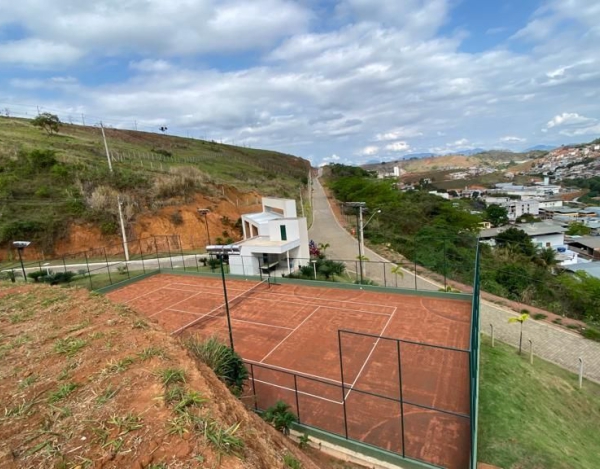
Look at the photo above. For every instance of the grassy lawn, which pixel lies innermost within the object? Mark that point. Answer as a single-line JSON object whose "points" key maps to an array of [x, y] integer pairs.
{"points": [[535, 416]]}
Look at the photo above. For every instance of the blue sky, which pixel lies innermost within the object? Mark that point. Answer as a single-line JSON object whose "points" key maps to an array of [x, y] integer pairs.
{"points": [[329, 80]]}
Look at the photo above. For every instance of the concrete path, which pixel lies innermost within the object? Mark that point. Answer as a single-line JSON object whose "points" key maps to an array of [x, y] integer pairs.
{"points": [[550, 342]]}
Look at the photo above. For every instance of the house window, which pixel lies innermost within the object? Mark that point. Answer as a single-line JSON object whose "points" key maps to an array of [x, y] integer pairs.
{"points": [[548, 245], [282, 229]]}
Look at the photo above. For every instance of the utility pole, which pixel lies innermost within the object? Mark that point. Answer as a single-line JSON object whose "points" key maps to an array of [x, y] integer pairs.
{"points": [[301, 202], [122, 222], [359, 235]]}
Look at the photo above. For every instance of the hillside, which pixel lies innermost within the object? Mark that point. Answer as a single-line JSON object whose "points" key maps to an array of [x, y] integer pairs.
{"points": [[83, 385], [484, 159], [51, 185]]}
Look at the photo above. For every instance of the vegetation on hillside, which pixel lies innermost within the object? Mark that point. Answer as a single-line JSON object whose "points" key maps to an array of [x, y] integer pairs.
{"points": [[535, 416], [49, 179], [441, 235], [86, 383], [593, 186]]}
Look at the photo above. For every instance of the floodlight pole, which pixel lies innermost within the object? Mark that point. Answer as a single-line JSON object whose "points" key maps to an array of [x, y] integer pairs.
{"points": [[226, 303], [359, 228], [204, 211], [21, 261]]}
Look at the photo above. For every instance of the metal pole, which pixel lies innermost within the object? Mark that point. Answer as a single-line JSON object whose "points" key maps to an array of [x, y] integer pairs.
{"points": [[530, 352], [107, 266], [88, 270], [343, 386], [384, 279], [580, 372], [492, 328], [361, 247], [22, 266], [123, 233], [297, 401], [64, 264], [315, 269], [142, 255], [206, 223], [181, 251], [253, 387], [226, 304], [106, 148], [445, 286], [169, 250], [415, 273], [156, 249], [401, 395]]}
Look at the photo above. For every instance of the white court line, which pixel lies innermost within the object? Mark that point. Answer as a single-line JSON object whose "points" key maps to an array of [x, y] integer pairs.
{"points": [[218, 288], [301, 297], [300, 374], [233, 319], [147, 293], [299, 392], [369, 356], [175, 304], [293, 330]]}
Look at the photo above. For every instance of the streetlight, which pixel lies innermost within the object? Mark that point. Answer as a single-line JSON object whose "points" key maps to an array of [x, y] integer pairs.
{"points": [[314, 263], [360, 228], [205, 212], [226, 301], [20, 245]]}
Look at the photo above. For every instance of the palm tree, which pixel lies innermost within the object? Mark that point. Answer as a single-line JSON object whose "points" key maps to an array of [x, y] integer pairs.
{"points": [[521, 318], [398, 272], [546, 257]]}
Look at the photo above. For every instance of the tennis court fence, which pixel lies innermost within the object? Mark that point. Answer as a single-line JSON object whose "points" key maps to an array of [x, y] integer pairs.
{"points": [[383, 410]]}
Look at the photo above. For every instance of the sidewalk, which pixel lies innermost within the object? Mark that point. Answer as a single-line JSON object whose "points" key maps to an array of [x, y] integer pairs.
{"points": [[550, 342]]}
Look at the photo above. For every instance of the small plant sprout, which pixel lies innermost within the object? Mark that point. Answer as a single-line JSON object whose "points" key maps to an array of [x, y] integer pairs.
{"points": [[171, 376]]}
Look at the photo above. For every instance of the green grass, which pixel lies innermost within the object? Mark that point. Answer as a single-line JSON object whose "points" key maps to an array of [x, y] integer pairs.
{"points": [[535, 417]]}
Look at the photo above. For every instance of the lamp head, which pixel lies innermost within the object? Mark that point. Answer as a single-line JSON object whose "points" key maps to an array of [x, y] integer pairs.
{"points": [[21, 244]]}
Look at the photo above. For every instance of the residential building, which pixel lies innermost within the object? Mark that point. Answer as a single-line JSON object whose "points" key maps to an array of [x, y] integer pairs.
{"points": [[273, 239], [515, 208], [590, 268], [542, 234], [587, 245]]}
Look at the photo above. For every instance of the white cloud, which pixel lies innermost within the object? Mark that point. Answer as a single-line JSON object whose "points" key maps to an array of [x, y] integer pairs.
{"points": [[38, 52], [402, 132], [368, 151], [150, 66], [568, 118], [398, 147], [512, 139], [589, 130]]}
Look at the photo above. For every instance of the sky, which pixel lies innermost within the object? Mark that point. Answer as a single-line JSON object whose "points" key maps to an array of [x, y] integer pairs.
{"points": [[346, 81]]}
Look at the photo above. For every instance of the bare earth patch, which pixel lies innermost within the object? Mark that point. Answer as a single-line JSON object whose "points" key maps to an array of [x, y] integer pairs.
{"points": [[82, 382]]}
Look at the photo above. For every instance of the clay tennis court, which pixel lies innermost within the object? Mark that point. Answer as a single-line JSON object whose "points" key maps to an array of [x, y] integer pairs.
{"points": [[405, 381]]}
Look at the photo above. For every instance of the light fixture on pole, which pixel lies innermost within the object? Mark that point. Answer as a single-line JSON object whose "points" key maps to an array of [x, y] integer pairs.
{"points": [[205, 212], [362, 229], [360, 206], [20, 245], [314, 263]]}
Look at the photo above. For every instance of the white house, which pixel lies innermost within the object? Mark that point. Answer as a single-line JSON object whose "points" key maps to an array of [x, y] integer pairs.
{"points": [[542, 234], [273, 239], [515, 208]]}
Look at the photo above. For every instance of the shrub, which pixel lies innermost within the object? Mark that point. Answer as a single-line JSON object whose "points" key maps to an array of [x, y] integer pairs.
{"points": [[177, 218], [59, 277], [538, 316], [213, 263], [227, 365], [37, 275], [591, 333], [108, 228], [290, 461], [280, 417]]}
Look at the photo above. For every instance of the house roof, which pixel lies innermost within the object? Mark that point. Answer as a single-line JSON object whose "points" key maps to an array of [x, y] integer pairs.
{"points": [[561, 209], [532, 229], [262, 217], [587, 241], [591, 268]]}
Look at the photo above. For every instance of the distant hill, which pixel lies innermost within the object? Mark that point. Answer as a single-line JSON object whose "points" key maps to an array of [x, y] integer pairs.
{"points": [[541, 148]]}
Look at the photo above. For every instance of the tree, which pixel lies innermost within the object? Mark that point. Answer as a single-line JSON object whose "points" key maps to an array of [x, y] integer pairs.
{"points": [[516, 239], [578, 229], [546, 257], [496, 215], [280, 417], [398, 272], [49, 122], [521, 319]]}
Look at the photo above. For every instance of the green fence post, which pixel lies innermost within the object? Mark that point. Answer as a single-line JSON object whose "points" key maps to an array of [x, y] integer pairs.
{"points": [[156, 249], [169, 250], [142, 255], [107, 267], [87, 264]]}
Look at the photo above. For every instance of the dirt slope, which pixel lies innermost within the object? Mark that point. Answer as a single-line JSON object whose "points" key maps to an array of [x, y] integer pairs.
{"points": [[80, 388]]}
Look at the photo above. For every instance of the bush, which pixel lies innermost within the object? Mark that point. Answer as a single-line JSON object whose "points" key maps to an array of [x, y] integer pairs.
{"points": [[290, 461], [591, 333], [280, 417], [108, 228], [539, 316], [37, 275], [59, 277], [177, 218], [227, 365]]}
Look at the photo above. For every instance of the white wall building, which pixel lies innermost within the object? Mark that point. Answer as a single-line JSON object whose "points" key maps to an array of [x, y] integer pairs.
{"points": [[515, 208], [273, 239], [542, 234]]}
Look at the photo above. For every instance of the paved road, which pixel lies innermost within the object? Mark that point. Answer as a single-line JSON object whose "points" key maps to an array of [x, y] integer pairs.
{"points": [[550, 342]]}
